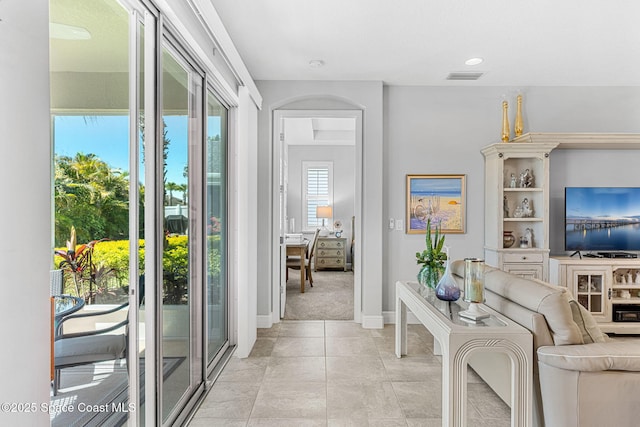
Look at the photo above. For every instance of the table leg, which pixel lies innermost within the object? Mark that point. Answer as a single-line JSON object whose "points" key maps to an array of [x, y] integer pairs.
{"points": [[302, 271], [450, 390]]}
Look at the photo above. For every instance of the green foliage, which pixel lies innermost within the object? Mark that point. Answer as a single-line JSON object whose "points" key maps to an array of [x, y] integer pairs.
{"points": [[175, 258], [91, 196], [175, 263], [213, 258], [83, 275], [433, 255], [112, 258]]}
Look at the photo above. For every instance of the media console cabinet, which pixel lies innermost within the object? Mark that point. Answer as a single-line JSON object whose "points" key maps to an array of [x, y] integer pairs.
{"points": [[608, 287]]}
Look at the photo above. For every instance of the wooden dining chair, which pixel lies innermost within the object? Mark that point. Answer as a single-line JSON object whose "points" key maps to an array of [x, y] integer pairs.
{"points": [[294, 262]]}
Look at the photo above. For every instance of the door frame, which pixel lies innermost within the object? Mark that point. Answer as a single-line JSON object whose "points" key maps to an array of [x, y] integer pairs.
{"points": [[278, 118]]}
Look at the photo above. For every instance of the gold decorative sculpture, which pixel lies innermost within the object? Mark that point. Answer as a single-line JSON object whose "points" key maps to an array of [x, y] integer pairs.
{"points": [[517, 126], [505, 122]]}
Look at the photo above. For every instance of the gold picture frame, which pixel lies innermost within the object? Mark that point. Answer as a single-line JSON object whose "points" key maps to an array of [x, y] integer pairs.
{"points": [[440, 198]]}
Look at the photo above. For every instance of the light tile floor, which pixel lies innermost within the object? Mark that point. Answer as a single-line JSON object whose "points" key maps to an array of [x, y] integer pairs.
{"points": [[334, 373]]}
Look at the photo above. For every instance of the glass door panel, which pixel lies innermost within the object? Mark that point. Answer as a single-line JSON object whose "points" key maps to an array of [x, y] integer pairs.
{"points": [[216, 217], [140, 247], [176, 296], [90, 109]]}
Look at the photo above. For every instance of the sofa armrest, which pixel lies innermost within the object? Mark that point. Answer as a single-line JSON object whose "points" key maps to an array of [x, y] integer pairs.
{"points": [[609, 356]]}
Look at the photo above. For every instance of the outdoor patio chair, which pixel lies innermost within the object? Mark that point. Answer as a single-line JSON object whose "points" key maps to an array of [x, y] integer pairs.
{"points": [[55, 282], [95, 345], [91, 346]]}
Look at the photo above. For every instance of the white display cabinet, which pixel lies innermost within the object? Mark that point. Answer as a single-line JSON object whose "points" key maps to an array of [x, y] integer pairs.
{"points": [[519, 206]]}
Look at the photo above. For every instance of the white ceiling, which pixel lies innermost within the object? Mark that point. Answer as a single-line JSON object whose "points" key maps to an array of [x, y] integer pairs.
{"points": [[320, 131], [419, 42]]}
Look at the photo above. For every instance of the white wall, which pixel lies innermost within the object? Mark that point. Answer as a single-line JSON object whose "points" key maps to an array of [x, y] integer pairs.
{"points": [[244, 195], [26, 251], [430, 130], [314, 95], [343, 159], [442, 129]]}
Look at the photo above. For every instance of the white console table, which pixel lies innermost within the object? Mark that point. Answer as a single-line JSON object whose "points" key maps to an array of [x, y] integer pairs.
{"points": [[458, 340]]}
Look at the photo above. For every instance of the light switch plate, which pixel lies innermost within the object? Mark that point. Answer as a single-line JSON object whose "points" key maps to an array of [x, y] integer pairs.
{"points": [[391, 223], [399, 224]]}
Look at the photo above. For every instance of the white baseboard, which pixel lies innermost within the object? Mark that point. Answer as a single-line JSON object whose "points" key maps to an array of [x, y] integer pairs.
{"points": [[372, 322], [264, 321], [390, 318]]}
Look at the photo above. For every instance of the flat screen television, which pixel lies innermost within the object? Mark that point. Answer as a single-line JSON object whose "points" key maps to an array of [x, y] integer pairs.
{"points": [[602, 219]]}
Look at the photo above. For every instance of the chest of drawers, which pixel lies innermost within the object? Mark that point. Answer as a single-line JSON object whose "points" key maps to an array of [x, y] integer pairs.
{"points": [[331, 253]]}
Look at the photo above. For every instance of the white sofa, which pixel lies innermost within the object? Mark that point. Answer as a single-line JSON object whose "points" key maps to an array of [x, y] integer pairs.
{"points": [[582, 378]]}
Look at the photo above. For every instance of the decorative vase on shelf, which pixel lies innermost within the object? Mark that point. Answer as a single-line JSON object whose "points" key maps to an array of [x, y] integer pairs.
{"points": [[432, 258], [506, 133], [508, 239], [429, 275], [447, 289], [518, 127]]}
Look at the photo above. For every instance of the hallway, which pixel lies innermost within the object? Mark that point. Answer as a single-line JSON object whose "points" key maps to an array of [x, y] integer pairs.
{"points": [[334, 373]]}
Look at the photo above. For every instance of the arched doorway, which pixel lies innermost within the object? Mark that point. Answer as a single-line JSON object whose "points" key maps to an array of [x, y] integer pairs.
{"points": [[300, 110]]}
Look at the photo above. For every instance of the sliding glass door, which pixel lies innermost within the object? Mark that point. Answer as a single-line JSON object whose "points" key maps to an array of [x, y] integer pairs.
{"points": [[180, 86], [216, 219], [140, 154], [95, 191]]}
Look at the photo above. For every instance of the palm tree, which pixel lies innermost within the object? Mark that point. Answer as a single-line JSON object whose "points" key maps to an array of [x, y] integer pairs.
{"points": [[183, 188], [171, 187], [91, 195]]}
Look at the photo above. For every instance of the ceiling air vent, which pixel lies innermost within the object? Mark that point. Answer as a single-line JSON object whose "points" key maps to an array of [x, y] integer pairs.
{"points": [[464, 76]]}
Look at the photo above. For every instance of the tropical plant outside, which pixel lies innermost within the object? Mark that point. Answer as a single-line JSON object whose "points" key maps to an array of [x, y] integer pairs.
{"points": [[113, 255], [90, 196]]}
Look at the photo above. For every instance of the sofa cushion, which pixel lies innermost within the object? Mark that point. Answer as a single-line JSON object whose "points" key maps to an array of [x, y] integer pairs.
{"points": [[586, 323], [538, 296], [531, 320], [609, 356]]}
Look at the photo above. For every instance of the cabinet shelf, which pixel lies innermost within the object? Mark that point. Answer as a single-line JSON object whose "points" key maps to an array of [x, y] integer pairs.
{"points": [[628, 286], [523, 219], [625, 300], [515, 190]]}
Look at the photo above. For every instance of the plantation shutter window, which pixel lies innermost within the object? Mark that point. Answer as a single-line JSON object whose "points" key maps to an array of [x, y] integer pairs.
{"points": [[318, 191]]}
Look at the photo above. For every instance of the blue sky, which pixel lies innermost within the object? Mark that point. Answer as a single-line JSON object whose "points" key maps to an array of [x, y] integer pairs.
{"points": [[107, 137], [595, 202], [442, 186]]}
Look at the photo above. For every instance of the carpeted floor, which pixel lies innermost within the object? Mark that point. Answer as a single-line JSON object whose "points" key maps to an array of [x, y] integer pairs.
{"points": [[330, 298]]}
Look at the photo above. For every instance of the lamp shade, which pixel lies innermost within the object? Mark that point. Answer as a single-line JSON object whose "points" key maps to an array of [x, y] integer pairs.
{"points": [[324, 211]]}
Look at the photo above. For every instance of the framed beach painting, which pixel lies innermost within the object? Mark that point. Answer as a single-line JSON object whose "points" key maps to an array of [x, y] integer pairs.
{"points": [[440, 198]]}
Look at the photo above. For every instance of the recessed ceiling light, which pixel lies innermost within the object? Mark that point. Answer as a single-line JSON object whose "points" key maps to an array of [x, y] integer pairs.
{"points": [[474, 61], [316, 63]]}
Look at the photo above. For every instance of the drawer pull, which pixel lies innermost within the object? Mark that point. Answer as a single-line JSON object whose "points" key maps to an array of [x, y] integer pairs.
{"points": [[524, 257]]}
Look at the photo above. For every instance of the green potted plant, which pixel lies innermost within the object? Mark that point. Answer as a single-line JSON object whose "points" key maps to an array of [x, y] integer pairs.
{"points": [[432, 258]]}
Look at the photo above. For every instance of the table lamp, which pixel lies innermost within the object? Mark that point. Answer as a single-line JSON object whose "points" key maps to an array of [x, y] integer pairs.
{"points": [[324, 212]]}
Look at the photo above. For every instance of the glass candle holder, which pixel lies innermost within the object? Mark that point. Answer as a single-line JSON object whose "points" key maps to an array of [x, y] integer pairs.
{"points": [[474, 280], [474, 289]]}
